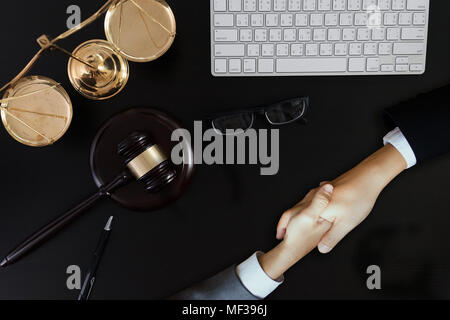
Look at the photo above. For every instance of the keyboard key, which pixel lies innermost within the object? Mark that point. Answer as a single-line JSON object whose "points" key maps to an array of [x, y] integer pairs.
{"points": [[334, 34], [369, 4], [340, 49], [324, 5], [413, 33], [361, 19], [301, 20], [401, 60], [220, 5], [348, 34], [393, 34], [246, 35], [401, 68], [316, 19], [225, 35], [412, 48], [416, 67], [390, 19], [297, 49], [385, 48], [253, 50], [326, 49], [378, 34], [374, 19], [261, 35], [307, 65], [272, 20], [265, 65], [398, 4], [275, 34], [405, 18], [290, 35], [235, 66], [346, 19], [287, 20], [304, 35], [267, 50], [249, 5], [265, 5], [357, 64], [363, 34], [282, 49], [242, 20], [354, 5], [387, 67], [355, 49], [419, 19], [312, 49], [235, 5], [220, 65], [249, 65], [257, 20], [384, 5], [309, 5], [331, 19], [294, 5], [279, 5], [223, 20], [320, 34], [416, 5], [373, 65], [370, 48], [339, 5], [229, 50]]}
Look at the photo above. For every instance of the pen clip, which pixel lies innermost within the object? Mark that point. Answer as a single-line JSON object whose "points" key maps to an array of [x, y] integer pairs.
{"points": [[90, 288]]}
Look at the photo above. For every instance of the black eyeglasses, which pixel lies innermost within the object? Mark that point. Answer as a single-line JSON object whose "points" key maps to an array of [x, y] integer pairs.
{"points": [[280, 113]]}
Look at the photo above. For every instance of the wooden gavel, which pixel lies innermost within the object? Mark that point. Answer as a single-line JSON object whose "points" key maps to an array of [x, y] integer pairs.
{"points": [[144, 162]]}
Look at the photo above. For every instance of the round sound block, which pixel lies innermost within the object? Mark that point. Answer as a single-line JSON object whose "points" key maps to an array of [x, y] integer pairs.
{"points": [[106, 164]]}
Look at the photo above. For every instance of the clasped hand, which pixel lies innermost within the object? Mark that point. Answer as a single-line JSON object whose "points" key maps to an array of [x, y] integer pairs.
{"points": [[328, 213], [353, 196]]}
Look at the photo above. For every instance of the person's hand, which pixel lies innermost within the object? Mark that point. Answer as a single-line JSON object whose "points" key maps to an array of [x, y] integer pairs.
{"points": [[354, 196], [303, 231], [352, 202], [302, 226]]}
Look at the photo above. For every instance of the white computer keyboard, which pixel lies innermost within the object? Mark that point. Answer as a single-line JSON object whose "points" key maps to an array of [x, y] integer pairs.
{"points": [[318, 37]]}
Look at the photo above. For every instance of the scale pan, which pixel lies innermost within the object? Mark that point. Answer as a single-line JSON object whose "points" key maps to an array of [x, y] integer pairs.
{"points": [[36, 111], [141, 30]]}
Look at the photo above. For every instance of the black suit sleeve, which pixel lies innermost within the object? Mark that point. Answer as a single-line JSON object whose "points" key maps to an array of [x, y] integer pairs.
{"points": [[224, 286], [425, 122]]}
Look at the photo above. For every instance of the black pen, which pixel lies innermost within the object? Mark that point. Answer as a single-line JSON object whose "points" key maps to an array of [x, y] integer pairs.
{"points": [[90, 277]]}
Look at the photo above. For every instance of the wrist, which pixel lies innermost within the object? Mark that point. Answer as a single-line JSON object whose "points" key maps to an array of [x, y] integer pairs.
{"points": [[290, 252], [278, 260], [383, 166]]}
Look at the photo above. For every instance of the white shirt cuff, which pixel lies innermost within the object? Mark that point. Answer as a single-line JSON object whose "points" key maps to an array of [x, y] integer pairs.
{"points": [[255, 279], [398, 140]]}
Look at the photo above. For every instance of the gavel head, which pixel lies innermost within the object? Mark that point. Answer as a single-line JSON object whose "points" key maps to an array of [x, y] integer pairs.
{"points": [[146, 161]]}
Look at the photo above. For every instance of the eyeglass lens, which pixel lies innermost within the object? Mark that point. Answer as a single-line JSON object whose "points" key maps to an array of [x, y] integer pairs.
{"points": [[286, 112], [240, 121], [278, 114]]}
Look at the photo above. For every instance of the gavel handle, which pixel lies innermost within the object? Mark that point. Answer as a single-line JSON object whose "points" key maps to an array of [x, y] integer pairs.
{"points": [[62, 221]]}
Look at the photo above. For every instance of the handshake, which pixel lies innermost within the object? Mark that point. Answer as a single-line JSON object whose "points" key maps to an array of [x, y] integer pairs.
{"points": [[327, 214]]}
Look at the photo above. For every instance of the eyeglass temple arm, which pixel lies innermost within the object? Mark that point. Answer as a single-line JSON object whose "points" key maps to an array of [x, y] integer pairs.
{"points": [[51, 43]]}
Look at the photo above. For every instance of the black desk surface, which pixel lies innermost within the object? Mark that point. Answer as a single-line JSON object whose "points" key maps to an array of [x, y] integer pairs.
{"points": [[229, 211]]}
